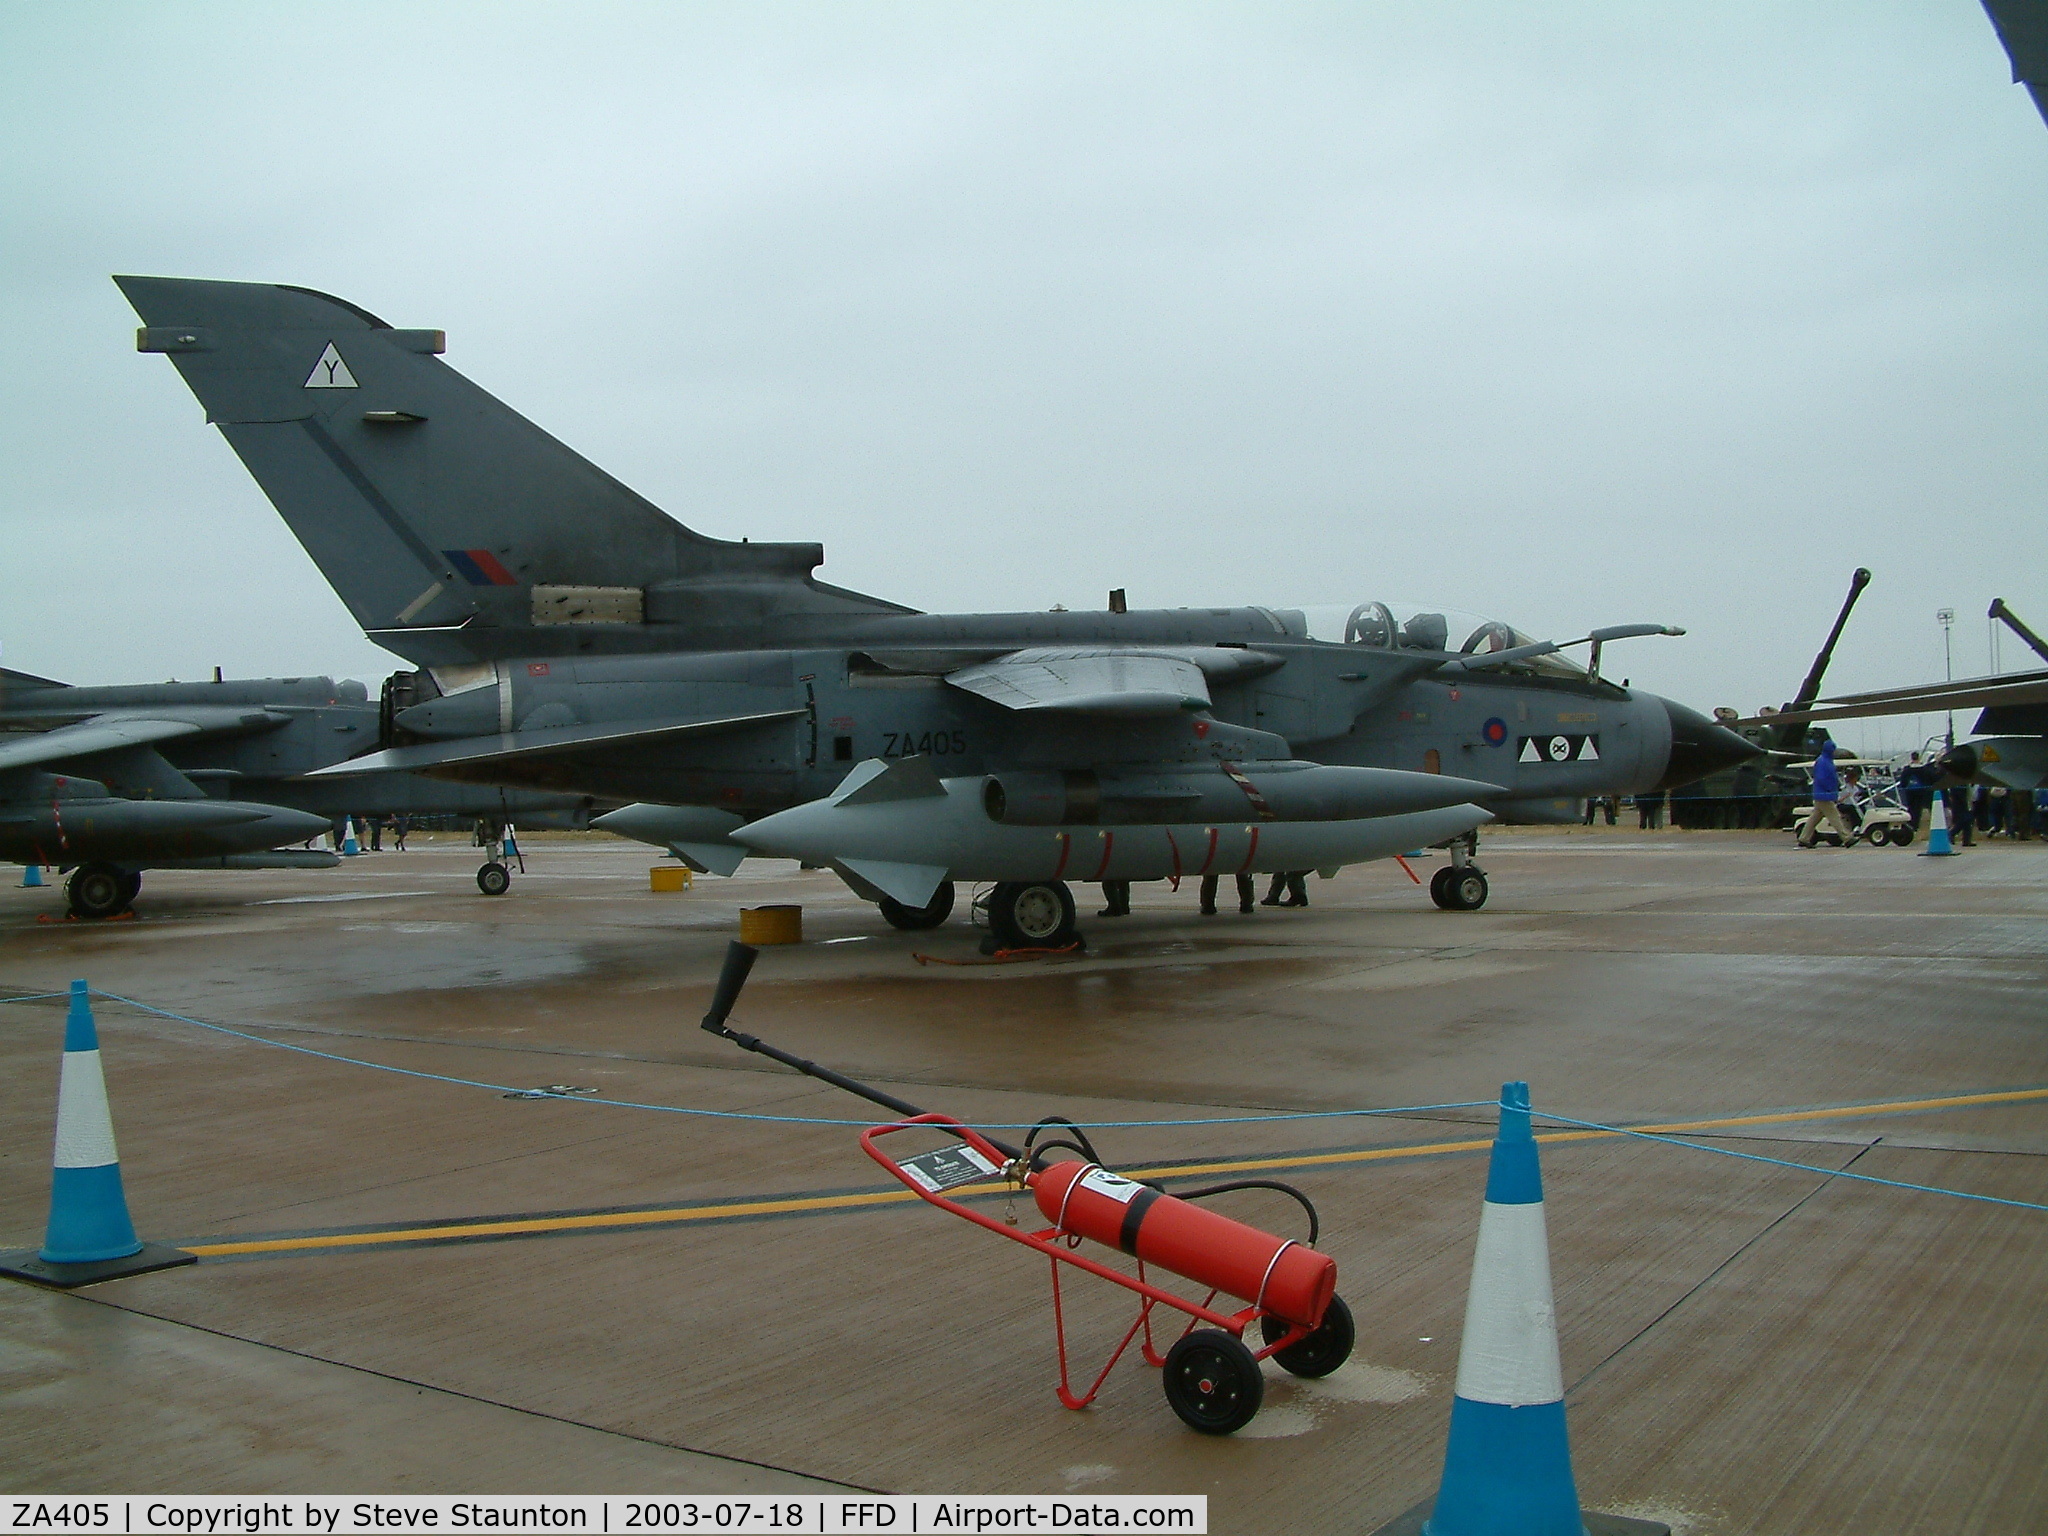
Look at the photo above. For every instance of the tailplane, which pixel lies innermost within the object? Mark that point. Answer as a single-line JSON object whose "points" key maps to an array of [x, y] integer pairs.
{"points": [[454, 528]]}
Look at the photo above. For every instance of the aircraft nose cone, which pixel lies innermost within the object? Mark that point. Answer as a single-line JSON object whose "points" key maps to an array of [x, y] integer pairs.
{"points": [[1699, 747], [286, 826]]}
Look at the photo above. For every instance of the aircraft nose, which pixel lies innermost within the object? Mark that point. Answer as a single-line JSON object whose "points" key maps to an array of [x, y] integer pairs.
{"points": [[1699, 746], [287, 826]]}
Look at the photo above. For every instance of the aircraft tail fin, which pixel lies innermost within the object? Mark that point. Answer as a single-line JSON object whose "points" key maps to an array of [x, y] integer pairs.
{"points": [[452, 527], [9, 678]]}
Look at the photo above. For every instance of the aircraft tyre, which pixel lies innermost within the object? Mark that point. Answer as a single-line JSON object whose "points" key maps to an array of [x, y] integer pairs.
{"points": [[494, 879], [1212, 1382], [131, 887], [1464, 890], [97, 890], [1439, 887], [930, 915], [1031, 914], [1328, 1347]]}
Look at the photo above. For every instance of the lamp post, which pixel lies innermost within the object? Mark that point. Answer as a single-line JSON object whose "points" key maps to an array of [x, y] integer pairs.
{"points": [[1946, 617]]}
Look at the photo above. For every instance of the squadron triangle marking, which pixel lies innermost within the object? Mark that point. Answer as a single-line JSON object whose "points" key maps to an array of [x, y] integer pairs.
{"points": [[1529, 752], [330, 372]]}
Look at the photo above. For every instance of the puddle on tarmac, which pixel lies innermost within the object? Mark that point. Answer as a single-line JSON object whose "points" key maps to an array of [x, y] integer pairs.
{"points": [[1358, 1381], [1087, 1475], [1279, 1421], [1295, 1404]]}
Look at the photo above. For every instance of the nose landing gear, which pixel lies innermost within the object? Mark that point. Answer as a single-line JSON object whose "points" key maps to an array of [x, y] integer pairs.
{"points": [[1461, 887]]}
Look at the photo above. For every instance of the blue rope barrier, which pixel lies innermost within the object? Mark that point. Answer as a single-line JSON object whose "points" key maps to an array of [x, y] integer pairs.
{"points": [[730, 1114], [1779, 1162]]}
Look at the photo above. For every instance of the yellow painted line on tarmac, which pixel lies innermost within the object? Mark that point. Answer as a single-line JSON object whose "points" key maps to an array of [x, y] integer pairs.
{"points": [[616, 1220], [1376, 1154], [528, 1226]]}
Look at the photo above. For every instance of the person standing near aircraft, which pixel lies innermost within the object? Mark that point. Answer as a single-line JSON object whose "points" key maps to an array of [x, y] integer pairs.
{"points": [[1245, 888], [1827, 793], [1289, 888]]}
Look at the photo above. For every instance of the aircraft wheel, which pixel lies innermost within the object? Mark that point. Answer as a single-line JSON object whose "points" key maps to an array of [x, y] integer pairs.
{"points": [[131, 887], [930, 915], [97, 890], [1212, 1382], [494, 879], [1031, 914], [1901, 836], [1440, 889], [1466, 888], [1328, 1347]]}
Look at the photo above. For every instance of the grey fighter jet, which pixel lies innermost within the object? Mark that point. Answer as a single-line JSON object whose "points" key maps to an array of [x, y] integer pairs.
{"points": [[122, 808], [159, 759], [573, 637]]}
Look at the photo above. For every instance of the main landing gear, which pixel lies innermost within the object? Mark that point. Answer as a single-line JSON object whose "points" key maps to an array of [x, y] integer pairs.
{"points": [[494, 878], [1031, 914], [930, 915], [102, 890], [1461, 886]]}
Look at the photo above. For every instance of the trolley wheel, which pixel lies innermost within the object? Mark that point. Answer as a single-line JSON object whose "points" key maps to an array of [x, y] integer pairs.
{"points": [[1901, 836], [1031, 914], [930, 915], [1878, 837], [1439, 887], [97, 890], [494, 879], [1328, 1347], [1213, 1382]]}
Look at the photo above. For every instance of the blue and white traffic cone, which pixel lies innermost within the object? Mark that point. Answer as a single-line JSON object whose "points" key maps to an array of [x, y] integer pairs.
{"points": [[90, 1236], [1508, 1465], [349, 848], [32, 876], [1938, 843]]}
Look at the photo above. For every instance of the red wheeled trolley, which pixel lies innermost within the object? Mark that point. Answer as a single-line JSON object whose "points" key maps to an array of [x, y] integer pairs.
{"points": [[1212, 1378]]}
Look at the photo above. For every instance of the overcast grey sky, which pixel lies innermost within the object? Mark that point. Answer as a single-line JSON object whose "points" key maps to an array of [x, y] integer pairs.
{"points": [[1567, 314]]}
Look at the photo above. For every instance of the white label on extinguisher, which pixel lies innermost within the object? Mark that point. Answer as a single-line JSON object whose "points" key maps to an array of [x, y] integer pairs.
{"points": [[1114, 1185], [944, 1169]]}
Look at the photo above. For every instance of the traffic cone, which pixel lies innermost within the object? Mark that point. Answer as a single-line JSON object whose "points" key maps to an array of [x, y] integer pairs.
{"points": [[90, 1236], [32, 876], [1938, 844], [348, 842], [1508, 1464]]}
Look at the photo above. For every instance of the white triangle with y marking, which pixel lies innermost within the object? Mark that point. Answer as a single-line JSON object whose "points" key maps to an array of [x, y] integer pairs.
{"points": [[330, 372]]}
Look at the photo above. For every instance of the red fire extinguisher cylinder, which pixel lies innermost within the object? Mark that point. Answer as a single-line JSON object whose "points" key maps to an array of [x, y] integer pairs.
{"points": [[1282, 1277]]}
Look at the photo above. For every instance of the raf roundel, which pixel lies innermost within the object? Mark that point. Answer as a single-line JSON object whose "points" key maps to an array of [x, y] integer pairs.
{"points": [[1495, 731]]}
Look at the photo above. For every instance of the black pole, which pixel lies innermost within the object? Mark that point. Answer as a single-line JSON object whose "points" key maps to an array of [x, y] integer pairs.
{"points": [[739, 960], [1788, 737], [2012, 622]]}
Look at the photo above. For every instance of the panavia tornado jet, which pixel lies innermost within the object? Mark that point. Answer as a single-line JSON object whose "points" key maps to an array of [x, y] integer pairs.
{"points": [[572, 636], [106, 782], [99, 800]]}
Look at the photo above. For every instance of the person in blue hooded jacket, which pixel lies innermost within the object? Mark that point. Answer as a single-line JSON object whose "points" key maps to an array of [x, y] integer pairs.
{"points": [[1827, 796]]}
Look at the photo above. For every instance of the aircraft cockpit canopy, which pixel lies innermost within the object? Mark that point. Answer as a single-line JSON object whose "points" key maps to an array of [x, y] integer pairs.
{"points": [[1396, 626]]}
